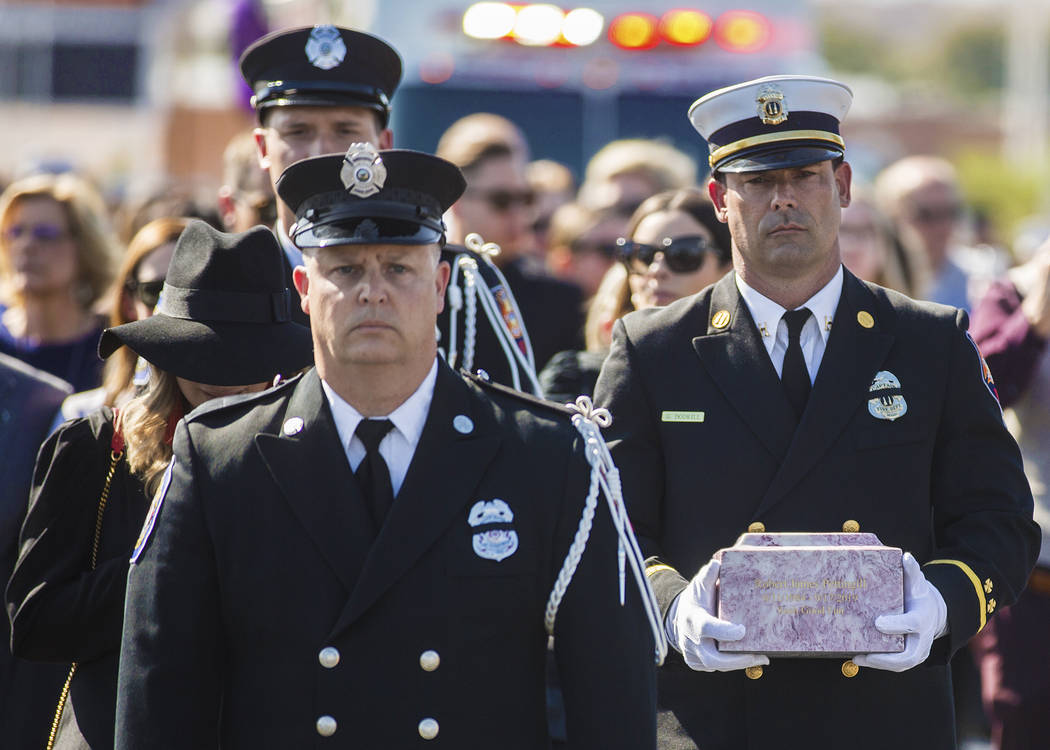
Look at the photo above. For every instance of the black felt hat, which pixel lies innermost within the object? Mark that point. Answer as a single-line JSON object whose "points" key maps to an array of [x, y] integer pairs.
{"points": [[322, 66], [224, 315], [366, 197]]}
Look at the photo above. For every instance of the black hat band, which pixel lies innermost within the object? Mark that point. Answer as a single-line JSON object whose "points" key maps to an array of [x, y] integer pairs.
{"points": [[803, 128], [225, 306], [265, 91]]}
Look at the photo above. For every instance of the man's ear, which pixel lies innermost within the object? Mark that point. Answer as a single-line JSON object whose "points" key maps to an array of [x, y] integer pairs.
{"points": [[717, 191], [444, 272], [386, 139], [302, 285], [260, 148], [844, 181]]}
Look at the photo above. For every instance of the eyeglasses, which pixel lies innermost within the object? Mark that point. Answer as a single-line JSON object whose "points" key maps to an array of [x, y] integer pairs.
{"points": [[681, 254], [503, 200], [38, 232], [936, 214], [147, 292]]}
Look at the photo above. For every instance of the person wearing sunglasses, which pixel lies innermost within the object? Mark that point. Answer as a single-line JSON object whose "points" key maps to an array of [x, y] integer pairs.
{"points": [[674, 247], [95, 476], [583, 244], [499, 205], [57, 256], [132, 296], [922, 197]]}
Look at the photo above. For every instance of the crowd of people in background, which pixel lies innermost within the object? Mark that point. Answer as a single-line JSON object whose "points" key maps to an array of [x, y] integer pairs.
{"points": [[637, 231]]}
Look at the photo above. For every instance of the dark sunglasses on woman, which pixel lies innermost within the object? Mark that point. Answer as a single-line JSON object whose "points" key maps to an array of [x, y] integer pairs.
{"points": [[147, 292], [681, 254]]}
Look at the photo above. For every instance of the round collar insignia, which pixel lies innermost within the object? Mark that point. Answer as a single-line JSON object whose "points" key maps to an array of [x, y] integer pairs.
{"points": [[363, 172], [325, 48]]}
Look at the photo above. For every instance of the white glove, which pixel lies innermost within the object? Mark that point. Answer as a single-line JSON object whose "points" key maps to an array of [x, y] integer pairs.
{"points": [[925, 618], [693, 627]]}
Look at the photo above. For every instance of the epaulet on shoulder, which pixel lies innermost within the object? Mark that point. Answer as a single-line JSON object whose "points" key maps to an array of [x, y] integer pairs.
{"points": [[240, 400], [483, 381]]}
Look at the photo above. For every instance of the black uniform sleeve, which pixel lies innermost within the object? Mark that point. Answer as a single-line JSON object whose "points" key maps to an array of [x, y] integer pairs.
{"points": [[605, 652], [168, 690], [986, 542], [634, 440], [60, 609]]}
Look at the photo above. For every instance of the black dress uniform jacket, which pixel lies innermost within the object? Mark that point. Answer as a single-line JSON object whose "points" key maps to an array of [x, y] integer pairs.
{"points": [[60, 609], [944, 481], [264, 554], [551, 310]]}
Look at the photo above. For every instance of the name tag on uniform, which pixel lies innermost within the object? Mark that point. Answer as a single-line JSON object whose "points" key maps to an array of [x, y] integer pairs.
{"points": [[682, 416]]}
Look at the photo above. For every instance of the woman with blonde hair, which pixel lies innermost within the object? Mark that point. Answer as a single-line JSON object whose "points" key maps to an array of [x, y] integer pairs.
{"points": [[222, 327], [57, 257]]}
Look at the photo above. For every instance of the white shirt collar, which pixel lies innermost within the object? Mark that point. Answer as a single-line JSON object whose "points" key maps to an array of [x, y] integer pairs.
{"points": [[409, 418], [767, 314]]}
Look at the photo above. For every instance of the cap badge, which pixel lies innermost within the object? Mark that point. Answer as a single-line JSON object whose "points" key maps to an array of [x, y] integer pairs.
{"points": [[887, 400], [494, 537], [325, 48], [771, 107], [363, 172]]}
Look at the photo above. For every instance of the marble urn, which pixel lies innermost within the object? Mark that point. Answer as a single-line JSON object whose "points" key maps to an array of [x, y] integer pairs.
{"points": [[810, 595]]}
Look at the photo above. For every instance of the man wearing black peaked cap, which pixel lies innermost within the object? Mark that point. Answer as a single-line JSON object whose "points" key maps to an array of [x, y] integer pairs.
{"points": [[792, 397], [363, 557], [317, 89]]}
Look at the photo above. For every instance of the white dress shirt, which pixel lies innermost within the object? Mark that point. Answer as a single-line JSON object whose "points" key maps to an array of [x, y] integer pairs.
{"points": [[399, 445], [769, 319]]}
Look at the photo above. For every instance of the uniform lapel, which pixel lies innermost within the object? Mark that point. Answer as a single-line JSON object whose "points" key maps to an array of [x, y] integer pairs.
{"points": [[737, 361], [851, 359], [445, 470], [311, 469]]}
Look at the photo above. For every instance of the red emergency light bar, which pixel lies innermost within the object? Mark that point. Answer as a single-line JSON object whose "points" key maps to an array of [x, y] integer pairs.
{"points": [[549, 26]]}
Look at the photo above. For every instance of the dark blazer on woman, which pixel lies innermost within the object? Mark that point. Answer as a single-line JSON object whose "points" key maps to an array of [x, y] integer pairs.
{"points": [[60, 609]]}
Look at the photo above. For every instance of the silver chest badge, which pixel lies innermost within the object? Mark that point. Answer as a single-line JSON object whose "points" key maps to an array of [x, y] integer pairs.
{"points": [[325, 48], [363, 172], [497, 543], [887, 401]]}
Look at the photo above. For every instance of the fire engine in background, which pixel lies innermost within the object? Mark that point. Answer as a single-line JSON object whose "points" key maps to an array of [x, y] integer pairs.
{"points": [[575, 78]]}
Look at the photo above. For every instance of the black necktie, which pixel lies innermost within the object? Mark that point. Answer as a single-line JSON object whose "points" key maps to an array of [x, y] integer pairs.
{"points": [[795, 375], [373, 475]]}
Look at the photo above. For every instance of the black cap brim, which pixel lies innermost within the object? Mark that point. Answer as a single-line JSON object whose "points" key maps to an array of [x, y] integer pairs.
{"points": [[321, 99], [214, 353], [370, 231], [777, 158]]}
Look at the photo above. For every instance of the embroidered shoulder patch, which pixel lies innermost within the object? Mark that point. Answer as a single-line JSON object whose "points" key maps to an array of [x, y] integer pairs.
{"points": [[151, 516], [986, 373]]}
